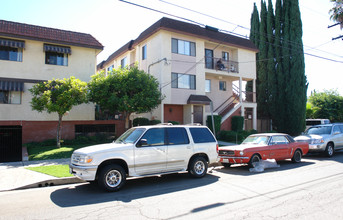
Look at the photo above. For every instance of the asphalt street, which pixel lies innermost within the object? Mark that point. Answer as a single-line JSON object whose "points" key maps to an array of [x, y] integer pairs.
{"points": [[312, 189]]}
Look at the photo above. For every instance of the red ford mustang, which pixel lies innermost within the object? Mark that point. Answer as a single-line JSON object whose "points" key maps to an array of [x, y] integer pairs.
{"points": [[258, 147]]}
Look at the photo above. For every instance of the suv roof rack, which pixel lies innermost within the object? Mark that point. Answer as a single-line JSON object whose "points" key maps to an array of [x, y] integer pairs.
{"points": [[196, 124], [164, 124]]}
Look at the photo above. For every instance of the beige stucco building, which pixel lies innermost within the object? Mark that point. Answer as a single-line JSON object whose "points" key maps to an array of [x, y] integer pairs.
{"points": [[194, 66], [30, 54]]}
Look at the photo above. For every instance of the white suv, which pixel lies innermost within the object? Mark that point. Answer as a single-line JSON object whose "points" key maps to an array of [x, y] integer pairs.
{"points": [[146, 151]]}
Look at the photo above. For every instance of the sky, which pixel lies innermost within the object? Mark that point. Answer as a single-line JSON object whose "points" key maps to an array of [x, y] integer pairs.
{"points": [[113, 23]]}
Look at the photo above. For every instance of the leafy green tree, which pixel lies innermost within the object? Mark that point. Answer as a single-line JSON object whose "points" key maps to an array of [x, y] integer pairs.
{"points": [[327, 104], [125, 90], [337, 12], [59, 96]]}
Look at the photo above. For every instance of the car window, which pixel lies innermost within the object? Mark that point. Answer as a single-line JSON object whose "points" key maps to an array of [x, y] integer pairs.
{"points": [[201, 135], [262, 140], [341, 127], [319, 130], [177, 136], [130, 136], [278, 140], [154, 136], [336, 129]]}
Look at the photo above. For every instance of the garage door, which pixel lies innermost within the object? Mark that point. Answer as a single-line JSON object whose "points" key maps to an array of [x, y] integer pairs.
{"points": [[10, 143]]}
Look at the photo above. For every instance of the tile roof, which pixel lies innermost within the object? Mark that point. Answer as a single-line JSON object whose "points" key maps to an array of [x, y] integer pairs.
{"points": [[51, 35], [187, 29]]}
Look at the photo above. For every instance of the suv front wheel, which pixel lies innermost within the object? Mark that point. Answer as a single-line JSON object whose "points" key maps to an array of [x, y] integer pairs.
{"points": [[198, 167], [112, 177], [329, 150]]}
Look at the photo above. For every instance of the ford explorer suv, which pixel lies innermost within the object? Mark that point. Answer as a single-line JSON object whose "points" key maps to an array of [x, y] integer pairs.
{"points": [[324, 138], [146, 151]]}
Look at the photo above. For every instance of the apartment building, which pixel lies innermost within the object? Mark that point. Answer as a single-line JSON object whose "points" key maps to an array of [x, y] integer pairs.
{"points": [[30, 54], [200, 70]]}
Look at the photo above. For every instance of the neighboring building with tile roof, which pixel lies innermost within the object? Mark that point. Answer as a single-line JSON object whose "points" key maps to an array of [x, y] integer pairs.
{"points": [[31, 54], [195, 66]]}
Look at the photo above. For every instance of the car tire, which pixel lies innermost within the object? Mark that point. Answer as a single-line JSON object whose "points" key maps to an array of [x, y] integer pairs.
{"points": [[297, 156], [226, 165], [197, 167], [254, 159], [329, 150], [112, 177]]}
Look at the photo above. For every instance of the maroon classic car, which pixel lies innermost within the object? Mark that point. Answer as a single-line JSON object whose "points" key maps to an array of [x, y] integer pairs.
{"points": [[258, 147]]}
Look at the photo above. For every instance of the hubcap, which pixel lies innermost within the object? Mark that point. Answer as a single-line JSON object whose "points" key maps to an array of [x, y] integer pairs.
{"points": [[330, 150], [113, 178], [199, 167], [297, 156]]}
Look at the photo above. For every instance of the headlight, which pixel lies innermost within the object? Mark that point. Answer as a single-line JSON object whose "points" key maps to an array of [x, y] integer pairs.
{"points": [[318, 141], [241, 153], [81, 159]]}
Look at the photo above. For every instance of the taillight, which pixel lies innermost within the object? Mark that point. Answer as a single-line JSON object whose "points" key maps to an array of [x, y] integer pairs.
{"points": [[217, 148]]}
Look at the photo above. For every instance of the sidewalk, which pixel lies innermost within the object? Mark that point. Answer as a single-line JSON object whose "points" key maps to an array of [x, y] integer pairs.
{"points": [[15, 176]]}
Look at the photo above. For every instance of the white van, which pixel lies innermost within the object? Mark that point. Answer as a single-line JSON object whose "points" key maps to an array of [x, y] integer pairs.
{"points": [[311, 122]]}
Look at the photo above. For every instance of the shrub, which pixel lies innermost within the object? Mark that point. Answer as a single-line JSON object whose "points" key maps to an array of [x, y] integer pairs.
{"points": [[155, 122], [233, 136], [217, 123], [237, 123], [174, 122], [140, 122]]}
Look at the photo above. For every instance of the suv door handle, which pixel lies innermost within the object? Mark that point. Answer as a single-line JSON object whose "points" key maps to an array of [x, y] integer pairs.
{"points": [[188, 147]]}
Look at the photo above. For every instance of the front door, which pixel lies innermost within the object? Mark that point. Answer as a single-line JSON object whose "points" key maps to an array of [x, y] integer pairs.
{"points": [[151, 158], [209, 59], [198, 114]]}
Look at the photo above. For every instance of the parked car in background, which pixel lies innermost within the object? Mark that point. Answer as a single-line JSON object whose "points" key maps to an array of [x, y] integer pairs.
{"points": [[311, 122], [258, 147], [323, 138], [147, 151]]}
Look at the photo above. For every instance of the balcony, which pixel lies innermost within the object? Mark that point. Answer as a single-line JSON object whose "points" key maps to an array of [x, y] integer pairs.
{"points": [[221, 65]]}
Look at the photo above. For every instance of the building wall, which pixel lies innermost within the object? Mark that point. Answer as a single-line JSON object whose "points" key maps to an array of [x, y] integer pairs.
{"points": [[81, 65]]}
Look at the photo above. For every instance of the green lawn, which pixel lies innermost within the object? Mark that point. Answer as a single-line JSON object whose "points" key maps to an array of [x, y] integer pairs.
{"points": [[51, 152], [53, 170]]}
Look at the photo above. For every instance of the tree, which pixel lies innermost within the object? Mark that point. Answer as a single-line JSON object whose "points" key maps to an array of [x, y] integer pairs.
{"points": [[281, 84], [125, 90], [337, 12], [327, 104], [58, 95]]}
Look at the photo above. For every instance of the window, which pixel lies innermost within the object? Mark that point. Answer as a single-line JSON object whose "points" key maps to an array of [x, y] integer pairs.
{"points": [[10, 97], [207, 85], [110, 68], [183, 81], [11, 50], [177, 136], [56, 55], [123, 62], [144, 52], [225, 56], [10, 53], [278, 140], [201, 135], [154, 137], [183, 47], [222, 85]]}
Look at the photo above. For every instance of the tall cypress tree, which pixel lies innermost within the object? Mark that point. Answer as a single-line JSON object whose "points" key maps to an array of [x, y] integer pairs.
{"points": [[271, 84], [298, 82], [262, 77], [280, 80]]}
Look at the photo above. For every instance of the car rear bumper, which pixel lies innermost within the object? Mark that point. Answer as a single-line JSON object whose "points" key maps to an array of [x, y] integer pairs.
{"points": [[87, 173]]}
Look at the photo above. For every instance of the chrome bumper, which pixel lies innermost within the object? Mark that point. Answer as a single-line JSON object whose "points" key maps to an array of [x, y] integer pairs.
{"points": [[87, 173]]}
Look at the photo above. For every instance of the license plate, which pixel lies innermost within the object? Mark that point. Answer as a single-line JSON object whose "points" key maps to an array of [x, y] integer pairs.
{"points": [[225, 160]]}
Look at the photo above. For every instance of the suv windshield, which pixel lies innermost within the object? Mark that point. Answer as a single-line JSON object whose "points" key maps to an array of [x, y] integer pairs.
{"points": [[319, 130], [130, 136]]}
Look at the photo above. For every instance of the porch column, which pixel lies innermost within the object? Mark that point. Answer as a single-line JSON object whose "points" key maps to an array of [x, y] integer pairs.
{"points": [[162, 112], [242, 114], [254, 90], [240, 89], [254, 118]]}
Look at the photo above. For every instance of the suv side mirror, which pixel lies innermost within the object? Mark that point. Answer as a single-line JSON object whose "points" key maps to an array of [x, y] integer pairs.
{"points": [[336, 132], [142, 142]]}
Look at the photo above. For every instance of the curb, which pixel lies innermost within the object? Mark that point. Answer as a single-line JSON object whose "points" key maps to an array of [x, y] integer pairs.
{"points": [[51, 182]]}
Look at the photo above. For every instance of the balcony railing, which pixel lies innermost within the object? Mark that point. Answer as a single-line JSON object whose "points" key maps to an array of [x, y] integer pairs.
{"points": [[222, 65]]}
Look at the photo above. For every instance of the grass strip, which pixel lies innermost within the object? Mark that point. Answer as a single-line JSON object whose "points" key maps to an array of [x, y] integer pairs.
{"points": [[53, 170]]}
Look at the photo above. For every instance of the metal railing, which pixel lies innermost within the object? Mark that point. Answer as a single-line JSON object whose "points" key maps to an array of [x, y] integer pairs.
{"points": [[220, 64]]}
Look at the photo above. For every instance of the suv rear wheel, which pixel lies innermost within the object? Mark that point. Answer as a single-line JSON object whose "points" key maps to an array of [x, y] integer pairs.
{"points": [[112, 177], [198, 167]]}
